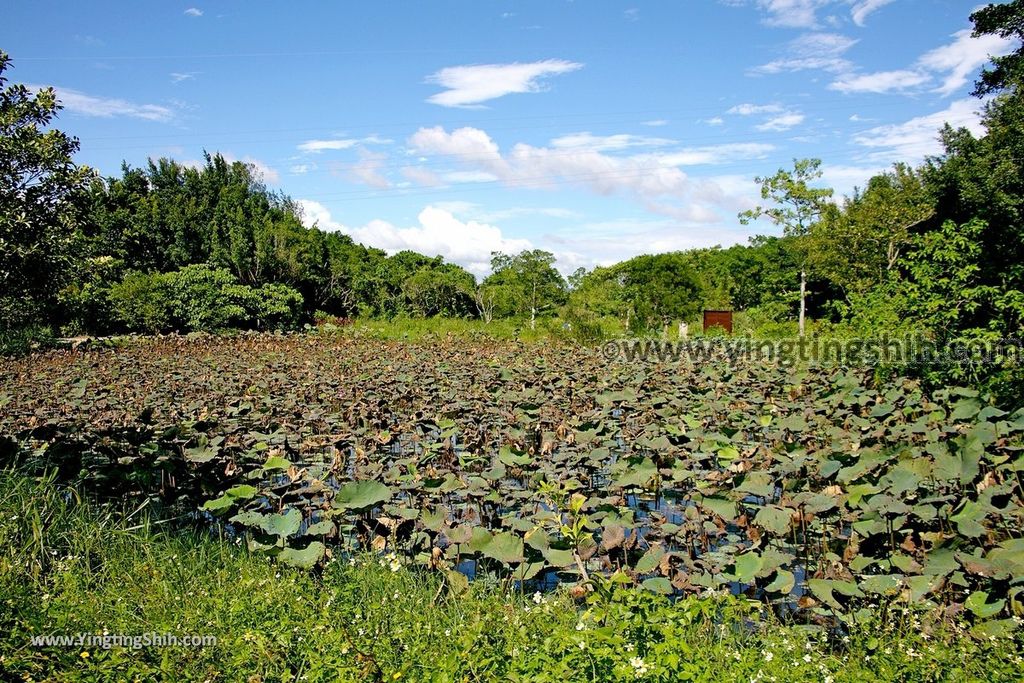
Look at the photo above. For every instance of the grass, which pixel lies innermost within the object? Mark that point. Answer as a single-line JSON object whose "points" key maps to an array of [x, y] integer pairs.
{"points": [[68, 566], [421, 329]]}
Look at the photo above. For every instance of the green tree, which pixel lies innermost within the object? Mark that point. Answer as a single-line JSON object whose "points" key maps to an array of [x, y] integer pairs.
{"points": [[660, 288], [859, 246], [525, 284], [446, 289], [1006, 20], [39, 217], [797, 207]]}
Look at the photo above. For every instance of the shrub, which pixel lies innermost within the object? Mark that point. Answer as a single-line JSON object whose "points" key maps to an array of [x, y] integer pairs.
{"points": [[85, 305], [22, 340], [272, 306], [201, 298], [141, 302]]}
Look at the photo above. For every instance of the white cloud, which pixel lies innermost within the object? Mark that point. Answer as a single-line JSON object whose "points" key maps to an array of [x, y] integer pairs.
{"points": [[862, 9], [953, 64], [193, 12], [652, 178], [843, 179], [716, 154], [715, 121], [439, 232], [368, 169], [177, 77], [748, 109], [422, 176], [469, 177], [315, 146], [791, 13], [817, 51], [655, 123], [780, 118], [912, 140], [880, 82], [466, 144], [108, 107], [321, 145], [91, 41], [962, 57], [585, 140], [782, 122], [632, 14], [468, 86]]}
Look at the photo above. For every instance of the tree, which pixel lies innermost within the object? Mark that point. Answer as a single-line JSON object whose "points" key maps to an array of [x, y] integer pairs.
{"points": [[797, 208], [445, 289], [859, 246], [1005, 20], [660, 287], [525, 283], [39, 185]]}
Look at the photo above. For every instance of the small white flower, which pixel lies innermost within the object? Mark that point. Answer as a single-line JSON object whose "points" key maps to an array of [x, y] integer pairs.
{"points": [[639, 666], [769, 656], [538, 598]]}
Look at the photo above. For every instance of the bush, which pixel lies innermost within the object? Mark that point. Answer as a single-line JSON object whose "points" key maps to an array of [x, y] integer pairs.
{"points": [[22, 340], [141, 302], [201, 298], [85, 305], [272, 306]]}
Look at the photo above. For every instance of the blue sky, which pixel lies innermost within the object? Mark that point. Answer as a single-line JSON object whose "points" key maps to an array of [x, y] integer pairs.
{"points": [[595, 130]]}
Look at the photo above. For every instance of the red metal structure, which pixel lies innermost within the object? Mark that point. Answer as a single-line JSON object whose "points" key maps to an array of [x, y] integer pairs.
{"points": [[720, 318]]}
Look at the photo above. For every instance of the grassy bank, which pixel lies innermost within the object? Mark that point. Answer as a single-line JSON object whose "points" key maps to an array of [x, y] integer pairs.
{"points": [[69, 567]]}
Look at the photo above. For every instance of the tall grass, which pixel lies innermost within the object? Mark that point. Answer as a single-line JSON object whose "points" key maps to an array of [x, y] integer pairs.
{"points": [[68, 566]]}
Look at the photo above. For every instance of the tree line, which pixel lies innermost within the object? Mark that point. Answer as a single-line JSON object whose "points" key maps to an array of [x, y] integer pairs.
{"points": [[934, 248]]}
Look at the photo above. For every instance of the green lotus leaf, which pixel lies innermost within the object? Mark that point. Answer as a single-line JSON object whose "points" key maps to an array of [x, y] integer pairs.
{"points": [[504, 547], [306, 558], [357, 495], [282, 524], [658, 584], [747, 566], [978, 603]]}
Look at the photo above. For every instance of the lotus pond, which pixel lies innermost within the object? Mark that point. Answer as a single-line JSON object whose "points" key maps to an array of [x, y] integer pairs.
{"points": [[811, 490]]}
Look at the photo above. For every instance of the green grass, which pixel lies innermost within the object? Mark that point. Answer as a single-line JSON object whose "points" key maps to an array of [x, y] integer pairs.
{"points": [[69, 567], [418, 329]]}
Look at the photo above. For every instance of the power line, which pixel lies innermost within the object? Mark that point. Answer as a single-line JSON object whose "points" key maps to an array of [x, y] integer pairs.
{"points": [[553, 120]]}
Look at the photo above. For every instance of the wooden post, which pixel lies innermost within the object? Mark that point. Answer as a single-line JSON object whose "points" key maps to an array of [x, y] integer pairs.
{"points": [[803, 299]]}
